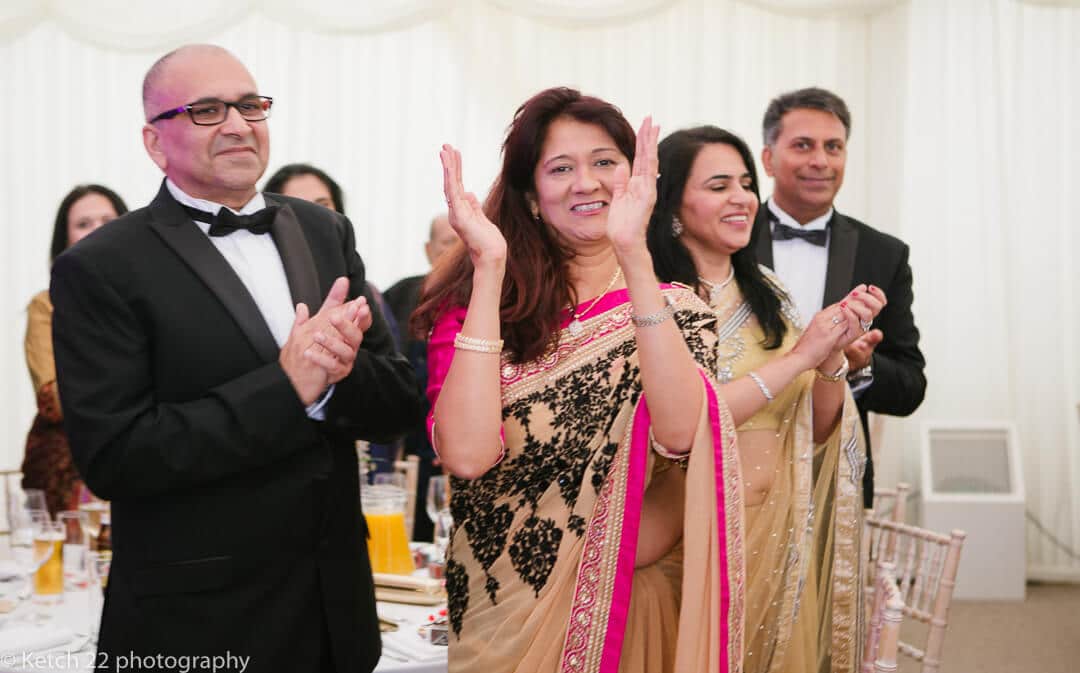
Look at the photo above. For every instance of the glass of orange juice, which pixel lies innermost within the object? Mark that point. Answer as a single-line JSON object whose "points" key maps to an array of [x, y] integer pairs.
{"points": [[388, 544]]}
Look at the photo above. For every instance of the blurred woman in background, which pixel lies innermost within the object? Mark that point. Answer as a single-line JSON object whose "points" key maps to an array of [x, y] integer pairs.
{"points": [[47, 463]]}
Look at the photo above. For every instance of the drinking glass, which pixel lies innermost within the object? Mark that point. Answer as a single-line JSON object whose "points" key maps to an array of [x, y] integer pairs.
{"points": [[388, 544], [25, 525], [48, 554], [75, 542], [438, 510], [96, 510], [98, 563]]}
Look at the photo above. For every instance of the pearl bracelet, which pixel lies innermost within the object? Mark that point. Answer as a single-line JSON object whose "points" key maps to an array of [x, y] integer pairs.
{"points": [[466, 343]]}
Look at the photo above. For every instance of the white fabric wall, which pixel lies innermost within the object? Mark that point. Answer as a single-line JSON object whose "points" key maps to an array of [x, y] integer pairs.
{"points": [[965, 142]]}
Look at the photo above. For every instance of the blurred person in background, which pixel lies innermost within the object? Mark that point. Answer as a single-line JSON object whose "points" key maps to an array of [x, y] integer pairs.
{"points": [[47, 463], [403, 298]]}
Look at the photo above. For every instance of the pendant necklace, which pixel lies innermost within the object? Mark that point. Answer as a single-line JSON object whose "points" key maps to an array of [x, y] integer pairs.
{"points": [[575, 327], [716, 288]]}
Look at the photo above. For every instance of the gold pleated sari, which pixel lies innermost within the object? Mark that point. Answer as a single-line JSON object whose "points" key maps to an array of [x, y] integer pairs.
{"points": [[803, 605]]}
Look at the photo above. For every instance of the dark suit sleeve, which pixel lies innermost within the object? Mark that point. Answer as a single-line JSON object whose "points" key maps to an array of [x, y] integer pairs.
{"points": [[899, 383], [125, 442], [379, 400]]}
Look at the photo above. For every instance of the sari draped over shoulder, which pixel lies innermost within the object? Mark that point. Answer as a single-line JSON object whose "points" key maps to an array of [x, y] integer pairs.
{"points": [[541, 575], [803, 592]]}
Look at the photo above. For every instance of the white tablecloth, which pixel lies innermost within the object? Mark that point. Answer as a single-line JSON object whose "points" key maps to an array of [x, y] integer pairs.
{"points": [[404, 651]]}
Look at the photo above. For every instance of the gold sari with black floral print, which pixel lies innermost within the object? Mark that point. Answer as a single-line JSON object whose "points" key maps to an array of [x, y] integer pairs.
{"points": [[541, 575]]}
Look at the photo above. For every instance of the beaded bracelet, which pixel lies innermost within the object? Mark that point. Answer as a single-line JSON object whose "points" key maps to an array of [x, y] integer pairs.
{"points": [[466, 343], [761, 384]]}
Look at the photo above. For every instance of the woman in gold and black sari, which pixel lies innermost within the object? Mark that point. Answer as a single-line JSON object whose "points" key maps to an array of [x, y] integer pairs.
{"points": [[799, 440], [596, 498]]}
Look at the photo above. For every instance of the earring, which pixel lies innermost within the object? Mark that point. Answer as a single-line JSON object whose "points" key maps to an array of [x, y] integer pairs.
{"points": [[676, 227]]}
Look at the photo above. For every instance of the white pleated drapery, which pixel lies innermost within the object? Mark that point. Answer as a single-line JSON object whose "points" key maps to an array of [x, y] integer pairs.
{"points": [[964, 144]]}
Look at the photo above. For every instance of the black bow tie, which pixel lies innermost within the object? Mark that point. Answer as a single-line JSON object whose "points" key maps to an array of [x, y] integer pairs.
{"points": [[782, 232], [226, 221]]}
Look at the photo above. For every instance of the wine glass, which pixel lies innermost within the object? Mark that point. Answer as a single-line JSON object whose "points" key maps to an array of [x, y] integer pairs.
{"points": [[27, 526], [438, 510], [98, 571]]}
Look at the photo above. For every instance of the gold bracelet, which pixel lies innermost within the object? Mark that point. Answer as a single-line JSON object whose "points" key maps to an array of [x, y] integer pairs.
{"points": [[466, 343], [835, 376]]}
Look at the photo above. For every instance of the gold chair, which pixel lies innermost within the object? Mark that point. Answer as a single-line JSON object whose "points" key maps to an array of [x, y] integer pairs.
{"points": [[883, 632], [926, 564]]}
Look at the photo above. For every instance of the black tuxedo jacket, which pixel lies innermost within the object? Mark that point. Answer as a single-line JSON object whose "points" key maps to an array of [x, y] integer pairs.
{"points": [[236, 518], [861, 254]]}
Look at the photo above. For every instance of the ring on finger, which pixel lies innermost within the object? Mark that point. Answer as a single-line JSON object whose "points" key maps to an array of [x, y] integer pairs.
{"points": [[836, 320], [865, 325]]}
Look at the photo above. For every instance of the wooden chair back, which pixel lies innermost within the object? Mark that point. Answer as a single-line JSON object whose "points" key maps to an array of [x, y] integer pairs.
{"points": [[926, 564]]}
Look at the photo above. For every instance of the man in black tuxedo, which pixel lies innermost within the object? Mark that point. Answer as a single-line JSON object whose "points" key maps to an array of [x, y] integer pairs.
{"points": [[820, 254], [219, 420]]}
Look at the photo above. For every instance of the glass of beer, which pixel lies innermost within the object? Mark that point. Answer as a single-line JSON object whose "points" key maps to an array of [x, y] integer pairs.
{"points": [[48, 552]]}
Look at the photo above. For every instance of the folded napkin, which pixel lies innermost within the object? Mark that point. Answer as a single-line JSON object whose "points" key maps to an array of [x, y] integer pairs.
{"points": [[408, 645], [424, 585], [18, 638]]}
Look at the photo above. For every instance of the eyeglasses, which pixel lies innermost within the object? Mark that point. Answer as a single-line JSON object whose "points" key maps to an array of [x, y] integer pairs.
{"points": [[211, 111]]}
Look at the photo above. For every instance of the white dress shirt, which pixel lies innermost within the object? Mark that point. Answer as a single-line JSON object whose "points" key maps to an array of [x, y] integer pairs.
{"points": [[800, 264], [257, 262]]}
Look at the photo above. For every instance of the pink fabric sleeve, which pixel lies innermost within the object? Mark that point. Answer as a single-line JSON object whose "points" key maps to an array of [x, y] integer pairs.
{"points": [[440, 355]]}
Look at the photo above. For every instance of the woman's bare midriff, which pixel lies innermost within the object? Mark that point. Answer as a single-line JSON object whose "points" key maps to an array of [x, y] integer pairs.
{"points": [[759, 455]]}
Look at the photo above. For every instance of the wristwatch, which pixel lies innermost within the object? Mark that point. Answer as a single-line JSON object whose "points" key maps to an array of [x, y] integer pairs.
{"points": [[835, 376], [861, 374]]}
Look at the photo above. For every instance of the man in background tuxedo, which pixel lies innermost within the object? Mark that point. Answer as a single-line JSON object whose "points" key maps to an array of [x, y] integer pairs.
{"points": [[820, 254], [219, 419], [403, 298]]}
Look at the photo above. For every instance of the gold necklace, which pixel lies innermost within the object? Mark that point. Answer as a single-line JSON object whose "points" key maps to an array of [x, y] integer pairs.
{"points": [[575, 327], [716, 288]]}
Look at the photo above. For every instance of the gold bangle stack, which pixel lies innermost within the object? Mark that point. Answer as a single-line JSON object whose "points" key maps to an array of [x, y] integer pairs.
{"points": [[467, 343], [835, 376]]}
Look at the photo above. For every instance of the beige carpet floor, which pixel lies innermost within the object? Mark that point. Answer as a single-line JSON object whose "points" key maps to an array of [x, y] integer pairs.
{"points": [[1038, 635]]}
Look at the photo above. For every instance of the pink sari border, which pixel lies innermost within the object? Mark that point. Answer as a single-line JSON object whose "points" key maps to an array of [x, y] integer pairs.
{"points": [[721, 519], [624, 573]]}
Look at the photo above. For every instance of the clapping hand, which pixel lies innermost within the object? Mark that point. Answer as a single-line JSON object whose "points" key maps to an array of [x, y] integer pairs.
{"points": [[867, 302], [634, 192], [482, 238], [321, 349]]}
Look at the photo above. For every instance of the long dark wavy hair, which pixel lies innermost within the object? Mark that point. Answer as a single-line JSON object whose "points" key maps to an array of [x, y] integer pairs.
{"points": [[60, 239], [536, 287], [672, 259]]}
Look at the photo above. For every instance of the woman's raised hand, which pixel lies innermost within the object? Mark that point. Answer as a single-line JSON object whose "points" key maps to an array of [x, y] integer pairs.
{"points": [[634, 192], [482, 238]]}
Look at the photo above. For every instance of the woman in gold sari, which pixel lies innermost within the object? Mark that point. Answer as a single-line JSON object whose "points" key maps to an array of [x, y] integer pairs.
{"points": [[799, 442], [593, 532]]}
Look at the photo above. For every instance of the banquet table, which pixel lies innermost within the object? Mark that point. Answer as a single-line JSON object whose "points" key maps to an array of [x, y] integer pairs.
{"points": [[62, 643]]}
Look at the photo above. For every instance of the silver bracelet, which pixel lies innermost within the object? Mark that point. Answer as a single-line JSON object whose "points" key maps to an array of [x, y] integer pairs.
{"points": [[761, 384], [655, 318]]}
